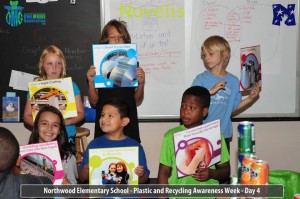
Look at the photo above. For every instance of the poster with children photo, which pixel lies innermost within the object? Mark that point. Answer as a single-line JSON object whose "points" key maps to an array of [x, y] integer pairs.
{"points": [[113, 165]]}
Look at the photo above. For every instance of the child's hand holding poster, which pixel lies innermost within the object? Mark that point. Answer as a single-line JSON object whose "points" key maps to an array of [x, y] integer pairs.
{"points": [[197, 147]]}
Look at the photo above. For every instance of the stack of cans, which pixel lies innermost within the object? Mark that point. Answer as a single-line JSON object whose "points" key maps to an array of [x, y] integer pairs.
{"points": [[251, 170], [246, 145]]}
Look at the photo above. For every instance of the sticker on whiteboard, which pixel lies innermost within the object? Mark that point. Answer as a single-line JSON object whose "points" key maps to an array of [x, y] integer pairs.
{"points": [[282, 14]]}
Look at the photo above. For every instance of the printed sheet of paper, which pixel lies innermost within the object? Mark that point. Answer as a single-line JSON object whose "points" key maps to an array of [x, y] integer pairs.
{"points": [[19, 80], [115, 65], [197, 147], [42, 159], [113, 165], [57, 92], [250, 67]]}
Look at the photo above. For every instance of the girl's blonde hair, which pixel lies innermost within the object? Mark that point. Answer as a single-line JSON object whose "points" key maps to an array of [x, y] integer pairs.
{"points": [[113, 163], [55, 50], [218, 44]]}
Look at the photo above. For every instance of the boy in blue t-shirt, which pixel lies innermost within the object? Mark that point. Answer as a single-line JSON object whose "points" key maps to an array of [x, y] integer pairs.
{"points": [[114, 117], [225, 99]]}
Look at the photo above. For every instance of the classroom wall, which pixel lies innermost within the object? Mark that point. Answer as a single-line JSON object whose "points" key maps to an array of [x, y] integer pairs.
{"points": [[276, 142], [169, 48]]}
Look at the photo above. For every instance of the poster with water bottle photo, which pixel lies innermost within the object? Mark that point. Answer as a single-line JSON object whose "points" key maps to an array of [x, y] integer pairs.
{"points": [[250, 67]]}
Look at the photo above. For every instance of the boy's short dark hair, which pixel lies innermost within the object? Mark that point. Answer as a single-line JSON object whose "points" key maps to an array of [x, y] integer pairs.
{"points": [[200, 92], [9, 150], [121, 105]]}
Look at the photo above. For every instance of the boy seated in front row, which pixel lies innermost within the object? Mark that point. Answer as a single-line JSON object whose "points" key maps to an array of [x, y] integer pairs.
{"points": [[113, 120], [10, 182], [194, 108]]}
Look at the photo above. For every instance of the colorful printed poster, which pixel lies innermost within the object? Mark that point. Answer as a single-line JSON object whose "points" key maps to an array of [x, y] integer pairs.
{"points": [[115, 65], [250, 67], [197, 147], [57, 92], [113, 165], [10, 109], [42, 159]]}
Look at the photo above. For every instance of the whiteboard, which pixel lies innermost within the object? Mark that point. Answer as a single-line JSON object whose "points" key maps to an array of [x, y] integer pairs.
{"points": [[169, 34]]}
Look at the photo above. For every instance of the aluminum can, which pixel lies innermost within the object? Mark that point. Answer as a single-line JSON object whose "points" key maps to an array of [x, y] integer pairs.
{"points": [[297, 196], [259, 172], [246, 137], [240, 160], [246, 168]]}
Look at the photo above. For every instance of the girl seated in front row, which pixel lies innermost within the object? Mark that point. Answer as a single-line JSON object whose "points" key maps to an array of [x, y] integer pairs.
{"points": [[49, 125]]}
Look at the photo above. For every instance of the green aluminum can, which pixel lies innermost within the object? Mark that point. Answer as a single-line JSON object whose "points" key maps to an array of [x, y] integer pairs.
{"points": [[246, 137]]}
